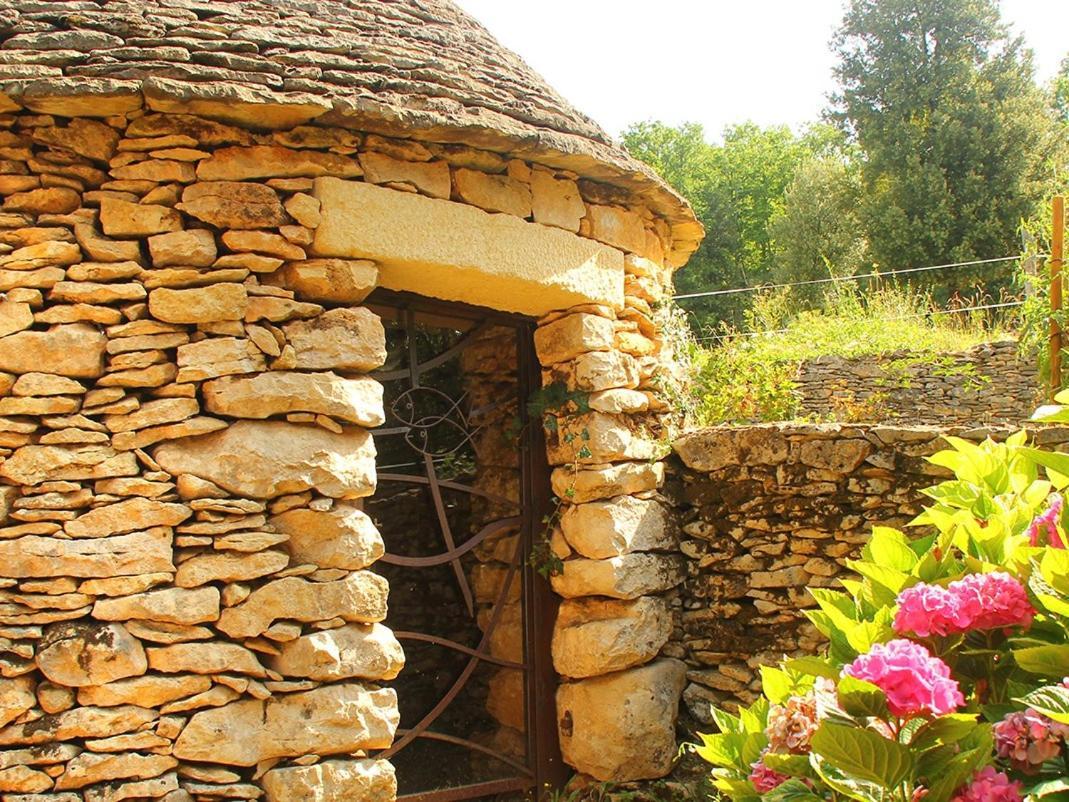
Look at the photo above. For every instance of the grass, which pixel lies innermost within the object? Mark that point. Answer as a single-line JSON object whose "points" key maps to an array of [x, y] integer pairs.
{"points": [[747, 379]]}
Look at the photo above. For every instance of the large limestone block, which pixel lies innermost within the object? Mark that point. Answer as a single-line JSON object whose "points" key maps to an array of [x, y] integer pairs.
{"points": [[360, 651], [151, 690], [620, 525], [342, 537], [32, 465], [556, 202], [193, 248], [573, 335], [121, 555], [273, 161], [625, 577], [88, 768], [600, 482], [340, 339], [233, 204], [606, 438], [169, 606], [458, 252], [621, 727], [335, 719], [79, 722], [120, 218], [332, 780], [430, 178], [710, 450], [210, 304], [76, 654], [201, 569], [75, 350], [359, 598], [357, 400], [618, 227], [596, 371], [597, 636], [205, 658], [494, 193], [337, 281], [264, 459]]}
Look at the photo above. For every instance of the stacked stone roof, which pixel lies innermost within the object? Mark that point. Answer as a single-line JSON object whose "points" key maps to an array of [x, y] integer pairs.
{"points": [[419, 68]]}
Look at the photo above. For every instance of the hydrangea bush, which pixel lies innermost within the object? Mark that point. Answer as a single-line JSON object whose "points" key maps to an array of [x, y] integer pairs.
{"points": [[946, 675]]}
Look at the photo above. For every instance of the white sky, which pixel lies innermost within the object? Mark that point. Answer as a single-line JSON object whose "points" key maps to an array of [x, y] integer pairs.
{"points": [[711, 61]]}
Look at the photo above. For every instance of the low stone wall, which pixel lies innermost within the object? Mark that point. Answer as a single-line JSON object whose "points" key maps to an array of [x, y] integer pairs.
{"points": [[989, 383], [769, 511]]}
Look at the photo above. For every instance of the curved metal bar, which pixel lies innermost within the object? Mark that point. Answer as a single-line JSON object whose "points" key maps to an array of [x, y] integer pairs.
{"points": [[434, 361], [460, 647], [447, 533], [454, 739], [469, 669], [448, 556], [448, 485]]}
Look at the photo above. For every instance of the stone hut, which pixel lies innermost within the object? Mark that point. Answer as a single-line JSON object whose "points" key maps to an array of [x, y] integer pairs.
{"points": [[281, 281]]}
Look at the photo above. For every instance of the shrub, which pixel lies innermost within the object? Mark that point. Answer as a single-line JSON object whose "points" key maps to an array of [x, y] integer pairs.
{"points": [[944, 678]]}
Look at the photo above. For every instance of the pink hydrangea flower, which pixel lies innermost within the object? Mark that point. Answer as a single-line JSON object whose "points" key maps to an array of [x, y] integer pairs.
{"points": [[976, 601], [993, 601], [1028, 739], [914, 681], [988, 785], [765, 779], [1047, 523], [791, 725], [928, 610]]}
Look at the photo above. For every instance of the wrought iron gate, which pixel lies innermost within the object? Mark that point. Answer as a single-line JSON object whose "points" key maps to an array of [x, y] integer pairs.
{"points": [[462, 488]]}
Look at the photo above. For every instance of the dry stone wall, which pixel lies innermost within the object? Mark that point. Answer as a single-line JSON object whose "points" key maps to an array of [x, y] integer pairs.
{"points": [[768, 512], [190, 606], [989, 383], [615, 535]]}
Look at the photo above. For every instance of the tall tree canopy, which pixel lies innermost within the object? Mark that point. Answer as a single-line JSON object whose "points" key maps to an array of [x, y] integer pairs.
{"points": [[954, 132]]}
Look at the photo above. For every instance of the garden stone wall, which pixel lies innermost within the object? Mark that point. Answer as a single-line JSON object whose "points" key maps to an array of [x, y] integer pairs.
{"points": [[989, 383], [769, 511]]}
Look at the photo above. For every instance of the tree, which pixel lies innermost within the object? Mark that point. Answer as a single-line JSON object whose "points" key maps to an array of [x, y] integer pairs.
{"points": [[955, 134], [1060, 92]]}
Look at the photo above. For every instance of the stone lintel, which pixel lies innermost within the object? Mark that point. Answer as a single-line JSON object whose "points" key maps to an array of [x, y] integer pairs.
{"points": [[459, 253]]}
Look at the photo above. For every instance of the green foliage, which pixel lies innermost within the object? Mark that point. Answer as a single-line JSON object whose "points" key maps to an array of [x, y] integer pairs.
{"points": [[856, 748], [747, 379], [956, 136]]}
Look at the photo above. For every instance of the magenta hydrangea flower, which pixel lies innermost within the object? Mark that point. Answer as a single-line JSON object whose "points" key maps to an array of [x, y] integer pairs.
{"points": [[914, 681], [925, 610], [765, 779], [988, 785], [976, 601], [1028, 739], [1046, 523], [993, 601]]}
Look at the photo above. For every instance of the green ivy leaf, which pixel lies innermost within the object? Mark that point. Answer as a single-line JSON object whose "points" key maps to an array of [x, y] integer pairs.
{"points": [[863, 754]]}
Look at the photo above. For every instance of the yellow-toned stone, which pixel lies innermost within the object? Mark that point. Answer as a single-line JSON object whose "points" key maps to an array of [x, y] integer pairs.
{"points": [[457, 252], [494, 193], [346, 281], [556, 201], [618, 227], [430, 178]]}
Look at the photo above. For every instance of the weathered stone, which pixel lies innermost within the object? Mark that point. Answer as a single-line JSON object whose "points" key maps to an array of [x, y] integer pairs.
{"points": [[356, 650], [75, 350], [572, 335], [25, 780], [160, 170], [233, 205], [605, 482], [506, 698], [35, 464], [340, 339], [340, 281], [204, 658], [359, 598], [366, 780], [597, 636], [618, 526], [100, 249], [16, 697], [618, 227], [262, 242], [194, 248], [494, 193], [78, 722], [153, 413], [621, 727], [204, 568], [14, 317], [356, 400], [148, 691], [121, 218], [342, 537], [42, 254], [126, 516], [273, 161], [51, 200], [278, 310], [38, 384], [30, 279], [77, 654], [89, 768], [158, 632], [606, 438], [304, 209], [199, 304], [336, 719], [264, 459], [34, 556], [625, 577], [169, 605], [164, 788], [556, 202], [88, 138], [143, 438], [430, 178], [218, 356]]}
